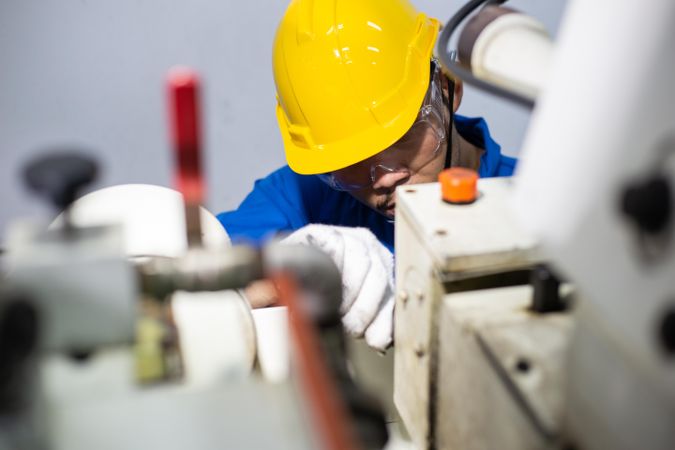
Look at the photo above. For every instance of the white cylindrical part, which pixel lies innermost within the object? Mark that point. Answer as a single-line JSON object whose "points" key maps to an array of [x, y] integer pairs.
{"points": [[508, 49], [272, 341], [513, 51], [152, 217], [216, 335]]}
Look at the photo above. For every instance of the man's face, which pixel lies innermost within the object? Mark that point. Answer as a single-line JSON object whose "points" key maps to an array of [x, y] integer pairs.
{"points": [[417, 157], [406, 162]]}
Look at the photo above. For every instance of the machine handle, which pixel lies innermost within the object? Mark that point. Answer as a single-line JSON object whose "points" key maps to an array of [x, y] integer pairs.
{"points": [[60, 176], [183, 92]]}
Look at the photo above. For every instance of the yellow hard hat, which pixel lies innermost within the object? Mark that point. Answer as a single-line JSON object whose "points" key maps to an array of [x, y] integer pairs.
{"points": [[351, 76]]}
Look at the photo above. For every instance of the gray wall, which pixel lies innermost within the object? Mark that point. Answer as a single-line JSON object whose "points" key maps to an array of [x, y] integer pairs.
{"points": [[90, 74]]}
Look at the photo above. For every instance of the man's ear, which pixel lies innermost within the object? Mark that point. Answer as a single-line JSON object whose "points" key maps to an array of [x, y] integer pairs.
{"points": [[459, 92]]}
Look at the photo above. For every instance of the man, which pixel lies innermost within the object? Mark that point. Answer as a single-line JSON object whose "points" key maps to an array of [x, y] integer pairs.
{"points": [[362, 108]]}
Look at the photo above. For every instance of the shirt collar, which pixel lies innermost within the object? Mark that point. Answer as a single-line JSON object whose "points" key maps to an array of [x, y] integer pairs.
{"points": [[475, 130]]}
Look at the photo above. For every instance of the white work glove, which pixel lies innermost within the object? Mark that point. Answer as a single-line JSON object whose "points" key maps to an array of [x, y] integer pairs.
{"points": [[367, 269]]}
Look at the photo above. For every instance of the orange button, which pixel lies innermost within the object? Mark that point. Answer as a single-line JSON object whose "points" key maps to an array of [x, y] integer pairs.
{"points": [[458, 185]]}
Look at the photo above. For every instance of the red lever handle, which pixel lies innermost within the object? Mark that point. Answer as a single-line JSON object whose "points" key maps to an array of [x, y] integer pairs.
{"points": [[184, 88]]}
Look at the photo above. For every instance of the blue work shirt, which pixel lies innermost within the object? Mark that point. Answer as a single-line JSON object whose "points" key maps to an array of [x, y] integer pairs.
{"points": [[285, 201]]}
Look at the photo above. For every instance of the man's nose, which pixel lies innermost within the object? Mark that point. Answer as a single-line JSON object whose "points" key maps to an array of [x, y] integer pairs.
{"points": [[388, 179]]}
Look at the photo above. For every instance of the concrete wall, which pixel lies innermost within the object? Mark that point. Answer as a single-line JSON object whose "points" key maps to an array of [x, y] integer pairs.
{"points": [[90, 74]]}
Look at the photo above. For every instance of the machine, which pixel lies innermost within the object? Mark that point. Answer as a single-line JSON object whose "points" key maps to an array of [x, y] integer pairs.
{"points": [[537, 314], [121, 325], [541, 315]]}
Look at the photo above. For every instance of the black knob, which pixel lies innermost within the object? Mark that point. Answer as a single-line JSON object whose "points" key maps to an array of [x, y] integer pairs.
{"points": [[546, 291], [649, 204], [60, 176]]}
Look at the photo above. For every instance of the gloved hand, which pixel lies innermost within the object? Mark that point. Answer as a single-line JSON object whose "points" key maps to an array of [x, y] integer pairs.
{"points": [[367, 269]]}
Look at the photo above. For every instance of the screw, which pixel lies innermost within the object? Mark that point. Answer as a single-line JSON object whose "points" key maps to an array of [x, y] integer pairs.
{"points": [[419, 351], [80, 355], [522, 365], [420, 296], [403, 295]]}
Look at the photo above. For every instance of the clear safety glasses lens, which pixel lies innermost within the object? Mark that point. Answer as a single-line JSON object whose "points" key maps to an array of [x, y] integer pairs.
{"points": [[417, 148]]}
